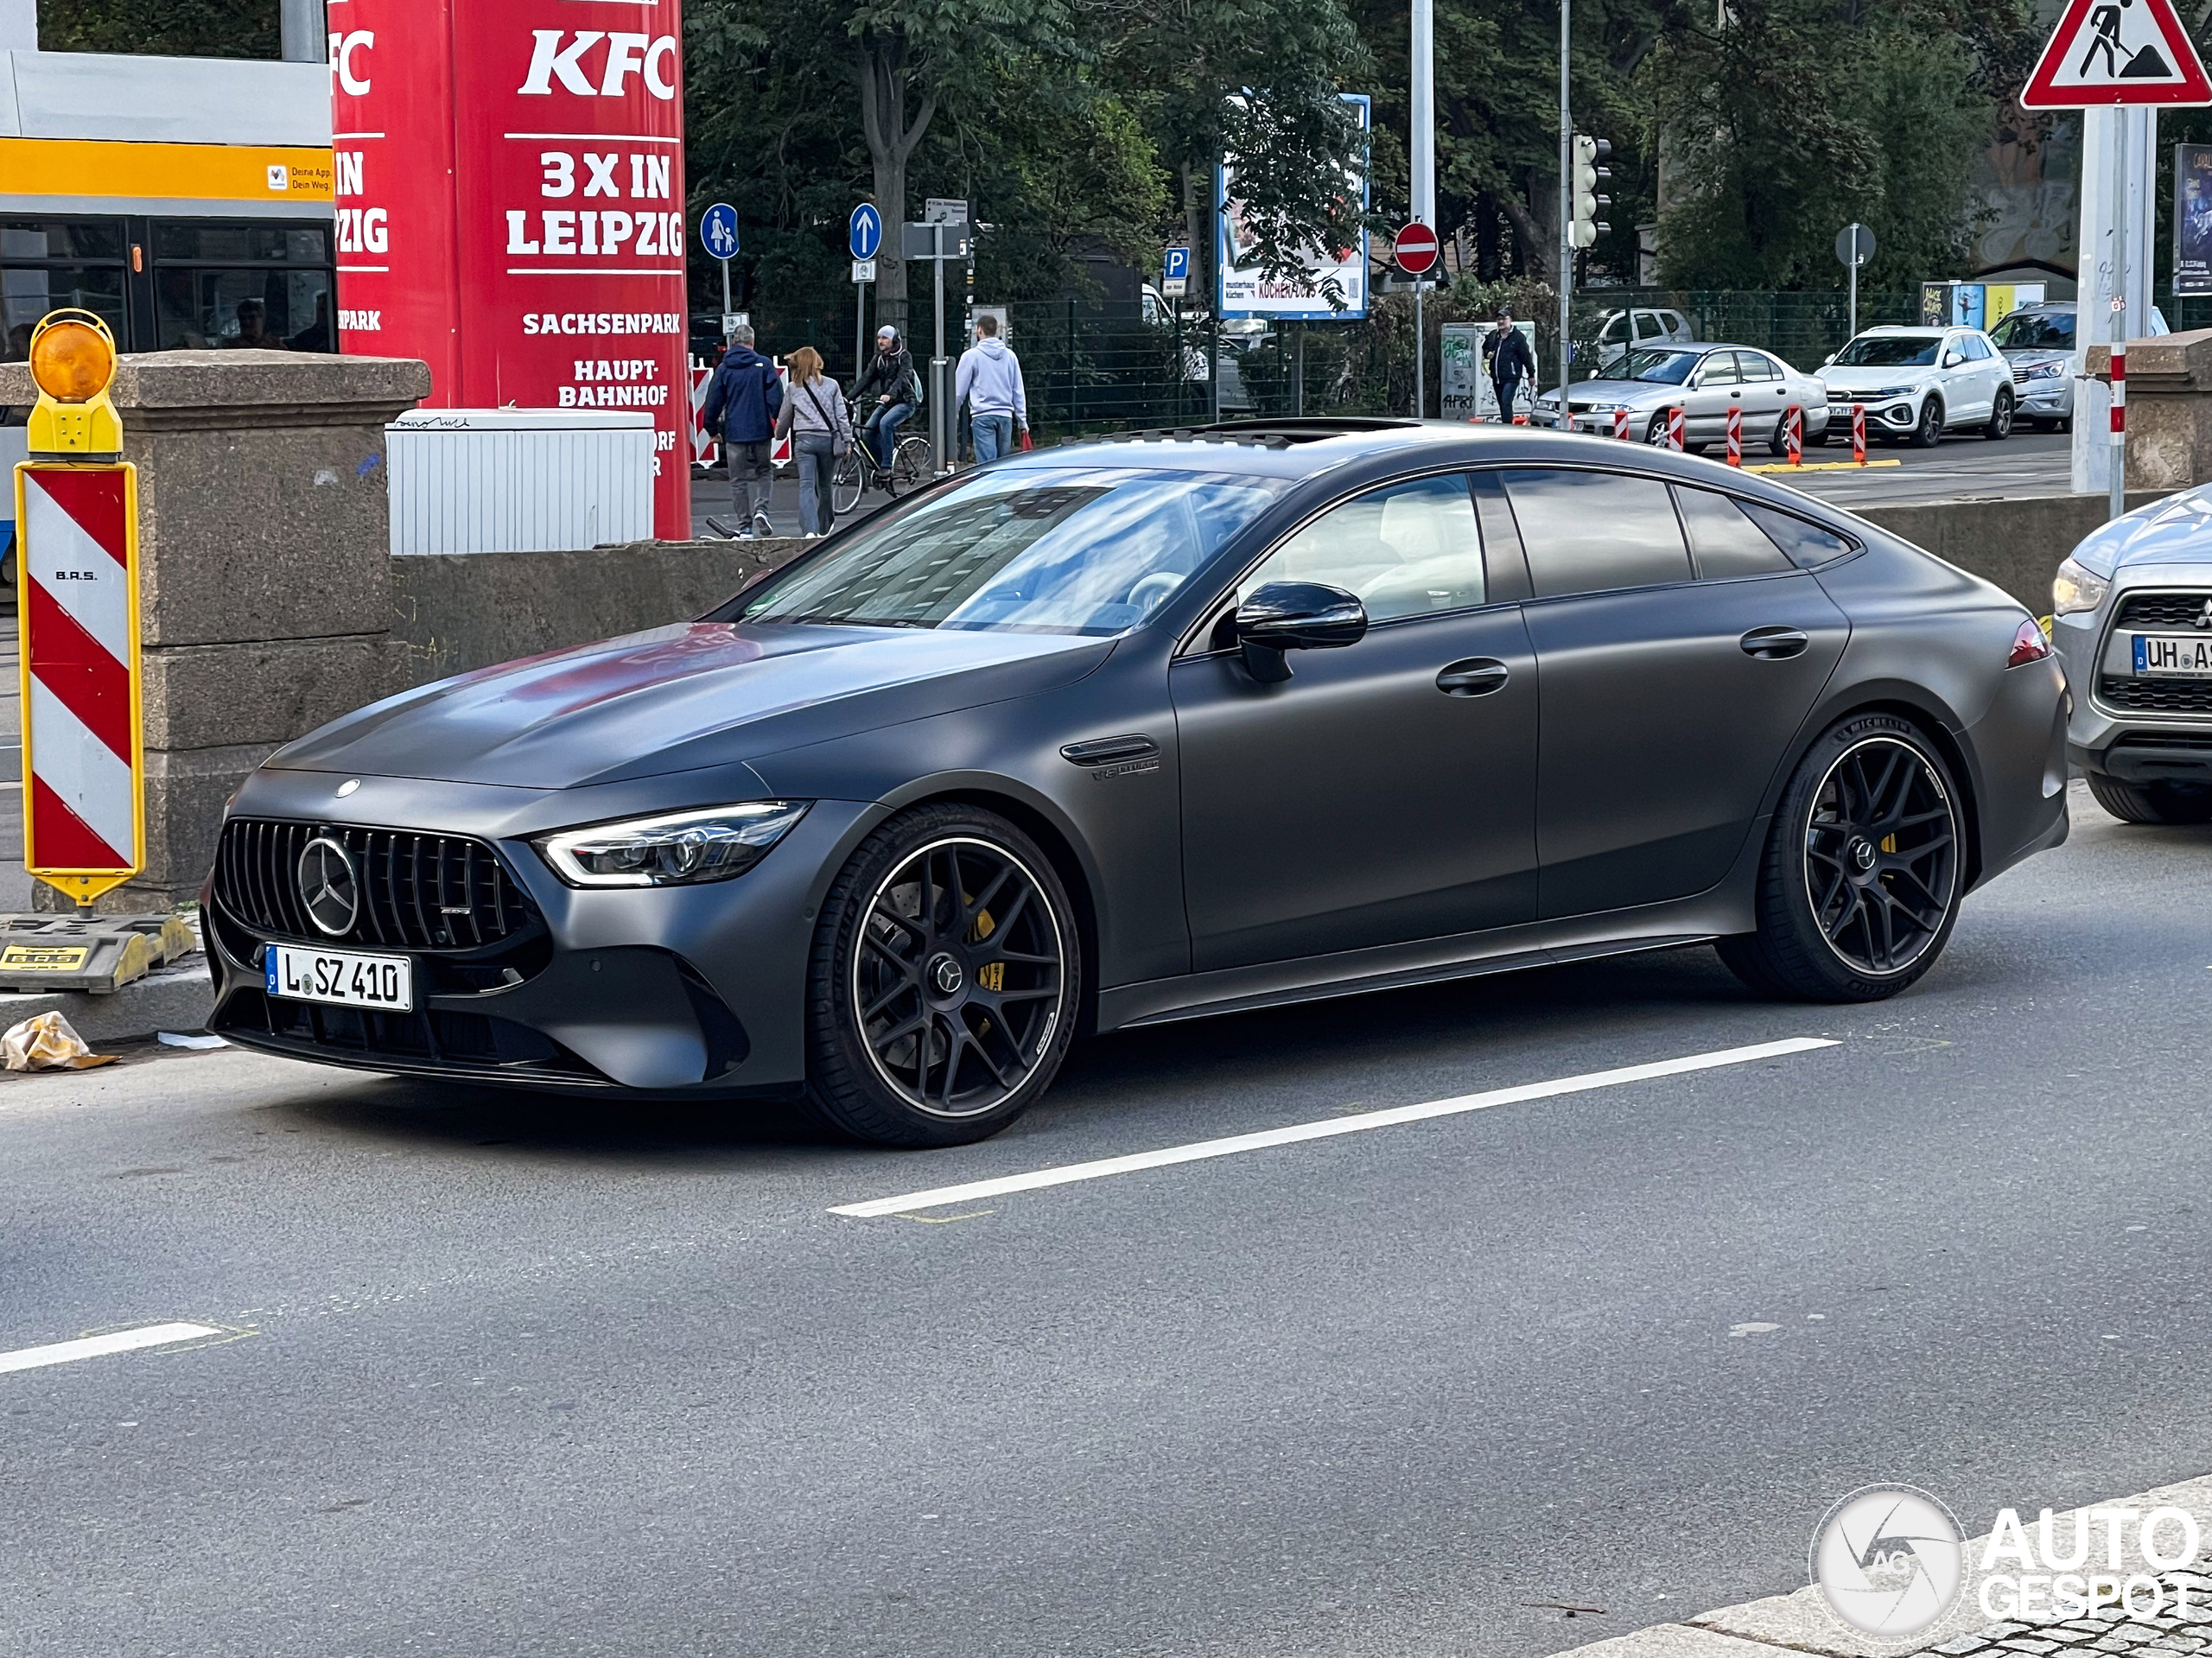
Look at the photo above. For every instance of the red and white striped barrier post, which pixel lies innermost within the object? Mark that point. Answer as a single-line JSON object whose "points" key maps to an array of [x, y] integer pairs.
{"points": [[1859, 433], [1793, 434], [1736, 435], [2119, 426], [1674, 429], [1620, 423], [83, 827]]}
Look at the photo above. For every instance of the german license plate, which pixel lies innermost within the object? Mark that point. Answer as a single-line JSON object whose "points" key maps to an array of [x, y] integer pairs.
{"points": [[385, 982], [2173, 656]]}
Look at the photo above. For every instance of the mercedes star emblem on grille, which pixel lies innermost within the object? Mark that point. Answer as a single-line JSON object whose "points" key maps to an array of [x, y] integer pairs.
{"points": [[328, 886]]}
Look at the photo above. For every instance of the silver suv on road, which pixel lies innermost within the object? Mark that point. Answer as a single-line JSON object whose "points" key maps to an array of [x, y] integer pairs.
{"points": [[2132, 622]]}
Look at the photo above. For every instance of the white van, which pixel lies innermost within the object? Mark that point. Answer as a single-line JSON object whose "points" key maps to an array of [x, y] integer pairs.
{"points": [[1624, 331]]}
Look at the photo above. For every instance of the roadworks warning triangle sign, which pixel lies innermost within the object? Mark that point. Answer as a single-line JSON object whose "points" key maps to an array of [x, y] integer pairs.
{"points": [[2117, 51]]}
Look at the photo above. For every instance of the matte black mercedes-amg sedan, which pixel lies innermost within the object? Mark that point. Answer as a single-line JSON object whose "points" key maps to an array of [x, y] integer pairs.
{"points": [[1174, 724]]}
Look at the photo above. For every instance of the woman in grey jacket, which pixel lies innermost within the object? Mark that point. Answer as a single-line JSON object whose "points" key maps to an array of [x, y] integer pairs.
{"points": [[814, 417]]}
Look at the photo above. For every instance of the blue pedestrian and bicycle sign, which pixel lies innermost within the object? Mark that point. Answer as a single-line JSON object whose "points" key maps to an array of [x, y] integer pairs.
{"points": [[866, 231], [718, 231]]}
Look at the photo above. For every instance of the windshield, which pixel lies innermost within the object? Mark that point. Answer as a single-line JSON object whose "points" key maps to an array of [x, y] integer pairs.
{"points": [[1890, 351], [1667, 367], [1061, 549], [2035, 331]]}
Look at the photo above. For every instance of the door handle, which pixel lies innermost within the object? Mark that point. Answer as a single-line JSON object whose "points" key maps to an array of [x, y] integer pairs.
{"points": [[1774, 644], [1475, 676]]}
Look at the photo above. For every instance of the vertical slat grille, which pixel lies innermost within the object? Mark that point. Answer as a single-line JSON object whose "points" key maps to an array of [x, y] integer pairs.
{"points": [[418, 892]]}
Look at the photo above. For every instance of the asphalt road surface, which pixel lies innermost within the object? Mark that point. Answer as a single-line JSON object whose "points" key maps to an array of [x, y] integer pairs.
{"points": [[496, 1374], [1963, 466]]}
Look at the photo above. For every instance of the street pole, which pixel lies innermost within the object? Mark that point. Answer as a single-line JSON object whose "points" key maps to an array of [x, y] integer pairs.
{"points": [[2116, 500], [941, 418], [860, 332], [1566, 213], [1424, 175], [1854, 334], [725, 264]]}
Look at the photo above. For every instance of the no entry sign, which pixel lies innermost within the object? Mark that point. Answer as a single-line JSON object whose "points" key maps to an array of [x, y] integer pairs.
{"points": [[1416, 250]]}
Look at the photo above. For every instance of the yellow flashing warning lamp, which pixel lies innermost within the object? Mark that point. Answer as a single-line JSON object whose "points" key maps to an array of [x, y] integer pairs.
{"points": [[72, 361]]}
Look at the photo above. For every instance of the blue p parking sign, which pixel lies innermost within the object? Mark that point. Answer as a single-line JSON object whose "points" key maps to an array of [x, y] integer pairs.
{"points": [[718, 231], [1177, 264]]}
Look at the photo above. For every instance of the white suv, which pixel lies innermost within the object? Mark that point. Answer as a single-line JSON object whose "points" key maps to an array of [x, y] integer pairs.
{"points": [[1918, 384]]}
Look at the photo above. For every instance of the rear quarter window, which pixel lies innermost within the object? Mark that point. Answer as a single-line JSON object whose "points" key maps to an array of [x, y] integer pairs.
{"points": [[1807, 544]]}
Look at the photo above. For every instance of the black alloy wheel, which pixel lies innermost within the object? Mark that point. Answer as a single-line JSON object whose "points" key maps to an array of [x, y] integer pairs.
{"points": [[946, 975], [1859, 888], [1929, 431], [2001, 417]]}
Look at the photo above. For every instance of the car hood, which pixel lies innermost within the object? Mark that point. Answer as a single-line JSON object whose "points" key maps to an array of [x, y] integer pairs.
{"points": [[2174, 530], [2034, 356], [1873, 379], [678, 698], [1634, 393]]}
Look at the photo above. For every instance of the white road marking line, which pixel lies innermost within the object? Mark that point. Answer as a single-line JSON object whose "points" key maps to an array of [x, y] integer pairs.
{"points": [[92, 1347], [1302, 1131]]}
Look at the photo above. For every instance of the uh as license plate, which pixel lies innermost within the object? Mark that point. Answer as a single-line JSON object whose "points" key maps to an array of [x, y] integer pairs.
{"points": [[2174, 656], [342, 977]]}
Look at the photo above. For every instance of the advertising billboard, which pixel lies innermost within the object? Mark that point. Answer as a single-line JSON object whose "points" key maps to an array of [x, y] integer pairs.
{"points": [[2193, 219], [510, 196], [1243, 290]]}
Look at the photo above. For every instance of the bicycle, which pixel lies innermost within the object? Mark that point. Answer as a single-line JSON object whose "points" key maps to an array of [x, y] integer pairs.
{"points": [[858, 470]]}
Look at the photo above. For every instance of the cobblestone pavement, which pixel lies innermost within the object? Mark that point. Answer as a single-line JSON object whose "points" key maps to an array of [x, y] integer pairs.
{"points": [[2182, 1630]]}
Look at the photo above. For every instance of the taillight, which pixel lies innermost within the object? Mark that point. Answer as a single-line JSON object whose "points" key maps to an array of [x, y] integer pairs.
{"points": [[2029, 643]]}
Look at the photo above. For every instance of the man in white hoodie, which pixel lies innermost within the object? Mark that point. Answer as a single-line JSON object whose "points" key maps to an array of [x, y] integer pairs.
{"points": [[989, 382]]}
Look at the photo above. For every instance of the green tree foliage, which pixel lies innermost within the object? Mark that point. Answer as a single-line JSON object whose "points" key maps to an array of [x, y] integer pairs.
{"points": [[187, 28], [1784, 120]]}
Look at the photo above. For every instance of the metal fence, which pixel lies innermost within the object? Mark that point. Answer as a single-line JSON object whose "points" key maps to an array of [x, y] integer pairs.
{"points": [[1088, 371]]}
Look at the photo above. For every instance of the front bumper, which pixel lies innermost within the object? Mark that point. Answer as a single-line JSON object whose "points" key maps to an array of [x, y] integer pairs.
{"points": [[2137, 745], [696, 990], [1890, 415]]}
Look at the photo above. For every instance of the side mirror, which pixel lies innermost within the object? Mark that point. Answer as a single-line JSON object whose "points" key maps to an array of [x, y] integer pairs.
{"points": [[1828, 361], [1296, 616], [1952, 360]]}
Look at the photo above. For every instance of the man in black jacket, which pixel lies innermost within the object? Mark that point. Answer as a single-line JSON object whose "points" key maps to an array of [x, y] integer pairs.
{"points": [[742, 402], [884, 395], [1510, 362]]}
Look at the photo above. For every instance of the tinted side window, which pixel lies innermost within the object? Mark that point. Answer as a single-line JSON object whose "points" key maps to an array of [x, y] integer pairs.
{"points": [[1724, 542], [1588, 531], [1720, 369], [1649, 326], [1405, 550], [1807, 544], [1756, 367]]}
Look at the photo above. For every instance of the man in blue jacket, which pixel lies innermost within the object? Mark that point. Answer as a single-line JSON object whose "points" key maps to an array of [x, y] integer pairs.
{"points": [[743, 400]]}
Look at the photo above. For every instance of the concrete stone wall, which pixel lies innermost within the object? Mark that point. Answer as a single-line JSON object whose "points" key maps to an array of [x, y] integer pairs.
{"points": [[2169, 408], [264, 570], [2015, 543], [453, 612]]}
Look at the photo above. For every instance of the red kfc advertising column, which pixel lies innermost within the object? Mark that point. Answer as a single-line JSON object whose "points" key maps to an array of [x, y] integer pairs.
{"points": [[510, 206]]}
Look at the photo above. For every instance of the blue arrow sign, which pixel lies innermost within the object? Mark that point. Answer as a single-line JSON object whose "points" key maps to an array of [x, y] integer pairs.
{"points": [[718, 231], [865, 233], [1176, 264]]}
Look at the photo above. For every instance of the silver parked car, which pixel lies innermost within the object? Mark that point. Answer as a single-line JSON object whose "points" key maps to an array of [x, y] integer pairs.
{"points": [[2038, 342], [2132, 621], [1706, 381]]}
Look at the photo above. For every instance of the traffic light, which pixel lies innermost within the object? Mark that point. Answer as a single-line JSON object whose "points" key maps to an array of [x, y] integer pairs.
{"points": [[1584, 223]]}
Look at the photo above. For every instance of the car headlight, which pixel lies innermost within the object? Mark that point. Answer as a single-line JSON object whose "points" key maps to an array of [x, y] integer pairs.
{"points": [[1547, 402], [2076, 586], [679, 850], [2043, 371], [1602, 408]]}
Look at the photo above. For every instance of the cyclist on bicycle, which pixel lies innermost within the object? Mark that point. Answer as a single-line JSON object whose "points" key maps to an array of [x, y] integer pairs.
{"points": [[888, 392]]}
